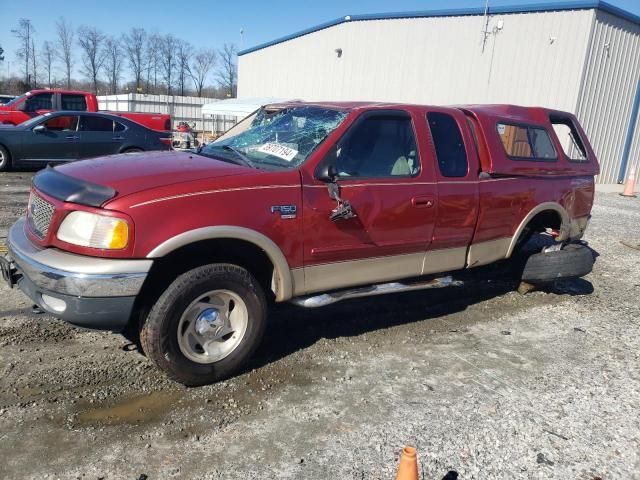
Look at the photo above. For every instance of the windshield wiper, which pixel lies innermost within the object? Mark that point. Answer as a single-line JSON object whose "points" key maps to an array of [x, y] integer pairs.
{"points": [[238, 159], [240, 155]]}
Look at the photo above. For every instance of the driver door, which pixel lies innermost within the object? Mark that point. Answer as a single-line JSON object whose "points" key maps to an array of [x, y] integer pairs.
{"points": [[385, 176], [57, 142]]}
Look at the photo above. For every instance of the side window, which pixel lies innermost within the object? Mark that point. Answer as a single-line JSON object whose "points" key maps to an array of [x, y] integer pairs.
{"points": [[63, 123], [118, 127], [73, 102], [569, 138], [382, 145], [42, 101], [96, 124], [523, 142], [447, 139]]}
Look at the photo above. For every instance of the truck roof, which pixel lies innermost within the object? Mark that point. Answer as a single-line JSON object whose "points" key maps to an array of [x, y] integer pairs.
{"points": [[504, 111], [486, 118], [57, 90]]}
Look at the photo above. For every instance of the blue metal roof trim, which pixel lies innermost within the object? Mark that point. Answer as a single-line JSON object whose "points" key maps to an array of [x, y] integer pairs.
{"points": [[460, 12]]}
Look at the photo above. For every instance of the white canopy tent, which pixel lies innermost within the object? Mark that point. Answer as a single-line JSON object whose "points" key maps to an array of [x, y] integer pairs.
{"points": [[226, 113]]}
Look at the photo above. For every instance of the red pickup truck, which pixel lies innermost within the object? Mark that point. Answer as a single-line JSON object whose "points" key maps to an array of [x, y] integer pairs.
{"points": [[309, 203], [37, 102]]}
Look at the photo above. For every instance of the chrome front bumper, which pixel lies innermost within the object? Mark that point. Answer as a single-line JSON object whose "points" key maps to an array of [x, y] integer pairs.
{"points": [[91, 292]]}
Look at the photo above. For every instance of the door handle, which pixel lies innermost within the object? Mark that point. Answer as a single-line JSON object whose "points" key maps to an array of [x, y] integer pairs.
{"points": [[71, 137], [117, 138], [422, 202]]}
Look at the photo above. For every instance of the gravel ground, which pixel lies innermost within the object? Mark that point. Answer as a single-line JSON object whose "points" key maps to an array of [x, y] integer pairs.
{"points": [[483, 381]]}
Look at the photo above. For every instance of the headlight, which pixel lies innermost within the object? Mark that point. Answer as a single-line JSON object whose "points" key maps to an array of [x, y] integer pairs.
{"points": [[95, 231]]}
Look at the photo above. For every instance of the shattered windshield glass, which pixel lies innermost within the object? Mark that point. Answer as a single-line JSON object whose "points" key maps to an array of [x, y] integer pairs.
{"points": [[285, 139]]}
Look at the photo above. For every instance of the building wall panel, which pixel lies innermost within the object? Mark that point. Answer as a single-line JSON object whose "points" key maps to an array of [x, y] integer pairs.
{"points": [[534, 59], [612, 71]]}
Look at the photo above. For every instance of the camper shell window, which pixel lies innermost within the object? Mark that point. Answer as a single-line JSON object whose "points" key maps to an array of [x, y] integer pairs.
{"points": [[569, 138], [526, 142]]}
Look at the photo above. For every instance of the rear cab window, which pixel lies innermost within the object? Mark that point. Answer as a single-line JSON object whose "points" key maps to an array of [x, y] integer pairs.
{"points": [[73, 102], [447, 139], [526, 142]]}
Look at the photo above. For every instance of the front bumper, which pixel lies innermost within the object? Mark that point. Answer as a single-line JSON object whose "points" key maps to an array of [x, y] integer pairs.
{"points": [[90, 292]]}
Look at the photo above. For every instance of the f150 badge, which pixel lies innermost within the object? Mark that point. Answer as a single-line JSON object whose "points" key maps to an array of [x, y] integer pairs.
{"points": [[285, 211]]}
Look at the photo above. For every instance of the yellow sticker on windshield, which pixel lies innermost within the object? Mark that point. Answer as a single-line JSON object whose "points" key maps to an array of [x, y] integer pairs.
{"points": [[278, 150]]}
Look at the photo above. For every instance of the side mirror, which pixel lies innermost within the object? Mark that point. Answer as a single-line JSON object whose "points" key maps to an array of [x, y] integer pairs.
{"points": [[327, 173], [39, 129]]}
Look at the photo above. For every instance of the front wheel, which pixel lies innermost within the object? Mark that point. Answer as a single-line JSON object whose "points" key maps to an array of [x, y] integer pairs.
{"points": [[5, 160], [206, 324]]}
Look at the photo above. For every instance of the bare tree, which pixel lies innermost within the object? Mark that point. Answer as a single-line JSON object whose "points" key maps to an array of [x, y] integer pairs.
{"points": [[24, 34], [227, 74], [153, 61], [34, 63], [201, 65], [168, 61], [134, 45], [48, 55], [65, 46], [90, 40], [184, 51], [113, 62]]}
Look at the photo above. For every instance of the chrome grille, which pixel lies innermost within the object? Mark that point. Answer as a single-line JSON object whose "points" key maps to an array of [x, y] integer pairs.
{"points": [[39, 215]]}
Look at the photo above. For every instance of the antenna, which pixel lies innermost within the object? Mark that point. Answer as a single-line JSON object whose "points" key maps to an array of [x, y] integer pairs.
{"points": [[485, 31]]}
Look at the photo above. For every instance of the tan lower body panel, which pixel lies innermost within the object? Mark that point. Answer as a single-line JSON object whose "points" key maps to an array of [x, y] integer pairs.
{"points": [[333, 276], [436, 261], [486, 252]]}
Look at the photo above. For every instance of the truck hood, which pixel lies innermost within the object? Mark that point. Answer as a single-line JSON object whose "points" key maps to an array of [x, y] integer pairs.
{"points": [[135, 172]]}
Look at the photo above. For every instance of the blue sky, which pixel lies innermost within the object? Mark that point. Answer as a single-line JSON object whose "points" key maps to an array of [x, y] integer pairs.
{"points": [[211, 23]]}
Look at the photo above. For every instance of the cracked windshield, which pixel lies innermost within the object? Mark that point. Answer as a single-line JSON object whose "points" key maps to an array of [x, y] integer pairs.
{"points": [[284, 139]]}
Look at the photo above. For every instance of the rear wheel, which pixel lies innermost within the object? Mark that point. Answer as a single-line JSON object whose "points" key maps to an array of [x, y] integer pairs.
{"points": [[572, 261], [5, 159], [206, 324]]}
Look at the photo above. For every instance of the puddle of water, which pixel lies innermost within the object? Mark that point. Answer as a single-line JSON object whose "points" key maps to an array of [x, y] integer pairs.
{"points": [[135, 411]]}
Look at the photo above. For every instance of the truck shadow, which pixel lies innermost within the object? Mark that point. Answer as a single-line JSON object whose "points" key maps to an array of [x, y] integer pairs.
{"points": [[292, 328]]}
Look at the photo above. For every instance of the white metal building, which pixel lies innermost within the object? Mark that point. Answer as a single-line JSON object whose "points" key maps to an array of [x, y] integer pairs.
{"points": [[582, 57], [181, 109]]}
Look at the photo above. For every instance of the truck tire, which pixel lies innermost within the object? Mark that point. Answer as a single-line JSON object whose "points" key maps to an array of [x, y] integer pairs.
{"points": [[5, 159], [571, 262], [206, 324]]}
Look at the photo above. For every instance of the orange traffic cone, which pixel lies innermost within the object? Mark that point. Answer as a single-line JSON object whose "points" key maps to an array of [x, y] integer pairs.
{"points": [[630, 185], [408, 466]]}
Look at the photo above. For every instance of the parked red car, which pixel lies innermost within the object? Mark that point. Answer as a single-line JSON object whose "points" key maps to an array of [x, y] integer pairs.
{"points": [[37, 102], [314, 203]]}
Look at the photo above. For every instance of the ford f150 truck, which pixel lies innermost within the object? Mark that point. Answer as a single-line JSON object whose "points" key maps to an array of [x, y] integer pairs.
{"points": [[37, 102], [311, 204]]}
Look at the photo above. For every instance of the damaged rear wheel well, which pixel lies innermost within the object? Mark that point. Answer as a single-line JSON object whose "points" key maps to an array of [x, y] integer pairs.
{"points": [[538, 223]]}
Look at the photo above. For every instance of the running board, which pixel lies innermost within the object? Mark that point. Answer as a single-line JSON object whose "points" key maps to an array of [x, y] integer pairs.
{"points": [[313, 301]]}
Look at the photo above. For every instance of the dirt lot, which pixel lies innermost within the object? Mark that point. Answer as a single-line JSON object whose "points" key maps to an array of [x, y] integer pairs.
{"points": [[482, 380]]}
